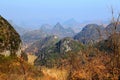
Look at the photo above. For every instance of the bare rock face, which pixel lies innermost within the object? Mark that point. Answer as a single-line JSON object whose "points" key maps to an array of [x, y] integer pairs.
{"points": [[10, 42]]}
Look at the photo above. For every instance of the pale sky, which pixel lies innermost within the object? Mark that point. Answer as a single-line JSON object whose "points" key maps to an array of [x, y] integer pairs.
{"points": [[36, 12]]}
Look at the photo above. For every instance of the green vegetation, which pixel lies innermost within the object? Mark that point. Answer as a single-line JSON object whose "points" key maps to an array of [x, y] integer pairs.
{"points": [[52, 55]]}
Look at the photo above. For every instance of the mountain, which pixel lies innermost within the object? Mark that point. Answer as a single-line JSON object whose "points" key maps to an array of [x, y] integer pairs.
{"points": [[72, 23], [60, 31], [10, 42], [32, 36], [111, 28], [50, 54], [68, 45], [42, 45], [90, 33], [112, 31], [46, 28], [78, 26], [111, 44], [58, 27]]}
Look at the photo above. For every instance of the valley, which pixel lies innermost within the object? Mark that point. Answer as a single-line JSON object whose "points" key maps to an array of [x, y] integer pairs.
{"points": [[48, 44]]}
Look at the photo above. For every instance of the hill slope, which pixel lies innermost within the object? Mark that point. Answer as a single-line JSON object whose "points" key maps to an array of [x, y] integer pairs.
{"points": [[9, 39], [50, 55], [90, 33]]}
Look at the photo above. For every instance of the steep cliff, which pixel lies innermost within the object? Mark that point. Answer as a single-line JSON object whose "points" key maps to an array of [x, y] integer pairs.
{"points": [[10, 41]]}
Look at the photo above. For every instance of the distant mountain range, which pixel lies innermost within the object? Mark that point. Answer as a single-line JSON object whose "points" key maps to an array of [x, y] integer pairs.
{"points": [[95, 33], [91, 33], [78, 26], [32, 36], [41, 45], [46, 28], [62, 32], [44, 31], [72, 23]]}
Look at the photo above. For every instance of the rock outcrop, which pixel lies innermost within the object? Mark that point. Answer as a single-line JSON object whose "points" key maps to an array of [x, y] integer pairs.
{"points": [[10, 42]]}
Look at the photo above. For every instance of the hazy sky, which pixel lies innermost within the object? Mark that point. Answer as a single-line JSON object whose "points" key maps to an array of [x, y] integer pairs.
{"points": [[36, 12]]}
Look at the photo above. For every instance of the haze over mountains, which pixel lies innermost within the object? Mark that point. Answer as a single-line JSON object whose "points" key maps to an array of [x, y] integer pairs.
{"points": [[76, 26], [69, 29], [59, 40], [60, 47]]}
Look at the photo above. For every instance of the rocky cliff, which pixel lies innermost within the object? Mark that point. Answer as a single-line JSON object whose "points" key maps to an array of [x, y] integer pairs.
{"points": [[10, 41]]}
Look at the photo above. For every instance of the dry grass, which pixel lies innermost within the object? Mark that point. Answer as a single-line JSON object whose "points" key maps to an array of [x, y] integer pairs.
{"points": [[56, 74], [31, 59]]}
